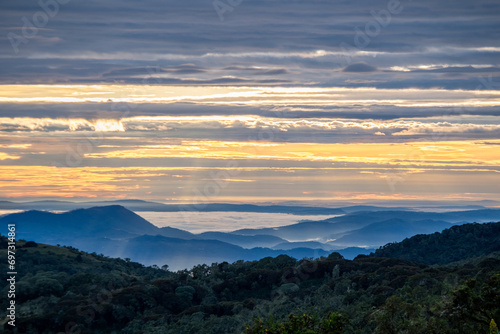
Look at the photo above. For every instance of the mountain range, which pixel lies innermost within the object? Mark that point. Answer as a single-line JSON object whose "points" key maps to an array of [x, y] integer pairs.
{"points": [[139, 205], [118, 232], [444, 282], [289, 208]]}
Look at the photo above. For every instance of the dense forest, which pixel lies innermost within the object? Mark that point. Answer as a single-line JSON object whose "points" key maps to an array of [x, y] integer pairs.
{"points": [[453, 244], [64, 290]]}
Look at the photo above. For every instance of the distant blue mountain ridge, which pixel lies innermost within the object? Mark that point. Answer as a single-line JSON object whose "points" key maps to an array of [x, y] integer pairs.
{"points": [[116, 231]]}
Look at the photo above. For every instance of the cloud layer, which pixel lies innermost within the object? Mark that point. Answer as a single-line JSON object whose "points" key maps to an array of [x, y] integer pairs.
{"points": [[411, 44], [268, 100]]}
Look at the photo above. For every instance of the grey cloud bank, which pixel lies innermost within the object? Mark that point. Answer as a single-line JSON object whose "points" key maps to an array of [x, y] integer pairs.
{"points": [[92, 41]]}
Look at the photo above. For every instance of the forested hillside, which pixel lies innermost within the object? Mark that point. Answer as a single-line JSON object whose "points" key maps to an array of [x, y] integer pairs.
{"points": [[61, 289], [454, 244]]}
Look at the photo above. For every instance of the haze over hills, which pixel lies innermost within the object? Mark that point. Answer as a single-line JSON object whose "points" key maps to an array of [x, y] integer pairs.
{"points": [[387, 231], [106, 221], [119, 232], [243, 240], [139, 205], [320, 208], [394, 289], [382, 226], [308, 230]]}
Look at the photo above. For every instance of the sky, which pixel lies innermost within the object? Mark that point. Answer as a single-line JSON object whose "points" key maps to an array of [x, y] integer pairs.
{"points": [[250, 101]]}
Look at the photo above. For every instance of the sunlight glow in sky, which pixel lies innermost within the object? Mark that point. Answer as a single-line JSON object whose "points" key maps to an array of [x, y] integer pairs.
{"points": [[265, 105]]}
